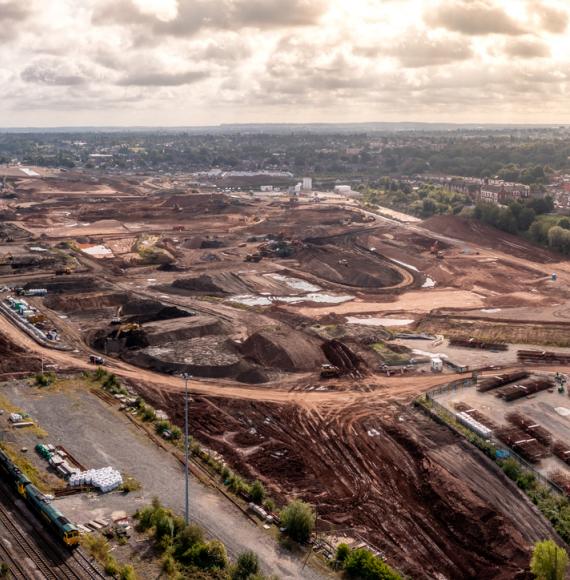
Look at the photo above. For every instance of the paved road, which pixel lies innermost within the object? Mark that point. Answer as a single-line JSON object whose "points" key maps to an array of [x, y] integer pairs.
{"points": [[108, 438]]}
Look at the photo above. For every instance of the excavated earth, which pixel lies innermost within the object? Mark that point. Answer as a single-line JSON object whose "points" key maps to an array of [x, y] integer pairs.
{"points": [[431, 503], [14, 359]]}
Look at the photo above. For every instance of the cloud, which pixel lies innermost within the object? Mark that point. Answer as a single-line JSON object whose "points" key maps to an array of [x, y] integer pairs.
{"points": [[474, 18], [551, 19], [419, 51], [527, 48], [162, 79], [13, 11], [195, 15], [53, 73], [206, 61]]}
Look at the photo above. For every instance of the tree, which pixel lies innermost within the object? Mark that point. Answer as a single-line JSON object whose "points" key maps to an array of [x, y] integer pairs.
{"points": [[299, 520], [564, 223], [549, 561], [247, 565], [525, 219], [363, 564]]}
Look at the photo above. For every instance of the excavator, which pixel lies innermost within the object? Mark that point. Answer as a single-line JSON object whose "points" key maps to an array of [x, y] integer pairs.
{"points": [[435, 251], [117, 318]]}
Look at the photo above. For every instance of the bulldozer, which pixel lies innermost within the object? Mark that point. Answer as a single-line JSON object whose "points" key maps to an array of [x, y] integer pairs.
{"points": [[329, 371], [257, 257]]}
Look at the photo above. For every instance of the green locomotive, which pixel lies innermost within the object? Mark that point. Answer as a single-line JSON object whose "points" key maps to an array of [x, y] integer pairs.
{"points": [[67, 532]]}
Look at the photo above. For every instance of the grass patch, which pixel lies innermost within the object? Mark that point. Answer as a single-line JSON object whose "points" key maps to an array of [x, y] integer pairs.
{"points": [[99, 548], [389, 356], [511, 333], [130, 484], [28, 468]]}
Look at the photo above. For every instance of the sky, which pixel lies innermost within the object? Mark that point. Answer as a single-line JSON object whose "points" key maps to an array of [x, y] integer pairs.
{"points": [[206, 62]]}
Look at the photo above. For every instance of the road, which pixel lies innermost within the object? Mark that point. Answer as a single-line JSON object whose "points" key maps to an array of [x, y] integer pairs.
{"points": [[286, 390]]}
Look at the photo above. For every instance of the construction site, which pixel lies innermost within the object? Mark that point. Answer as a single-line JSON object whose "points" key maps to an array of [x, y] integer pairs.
{"points": [[308, 331]]}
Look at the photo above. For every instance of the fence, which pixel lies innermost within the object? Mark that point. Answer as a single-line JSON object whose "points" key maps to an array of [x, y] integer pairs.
{"points": [[443, 414]]}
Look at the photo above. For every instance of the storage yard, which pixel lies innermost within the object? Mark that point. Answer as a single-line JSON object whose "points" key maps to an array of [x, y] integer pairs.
{"points": [[308, 331]]}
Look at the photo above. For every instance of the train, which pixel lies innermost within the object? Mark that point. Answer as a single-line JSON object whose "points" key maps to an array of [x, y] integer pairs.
{"points": [[65, 531]]}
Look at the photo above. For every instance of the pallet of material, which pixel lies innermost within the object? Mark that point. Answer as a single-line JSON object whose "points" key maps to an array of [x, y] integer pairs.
{"points": [[531, 427], [562, 451], [562, 480], [543, 357], [527, 447], [477, 343], [524, 389], [477, 415], [501, 380]]}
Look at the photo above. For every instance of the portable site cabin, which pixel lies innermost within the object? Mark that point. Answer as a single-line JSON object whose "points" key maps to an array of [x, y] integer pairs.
{"points": [[436, 365]]}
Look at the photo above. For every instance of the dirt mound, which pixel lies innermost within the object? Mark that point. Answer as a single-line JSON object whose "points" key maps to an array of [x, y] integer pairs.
{"points": [[141, 311], [14, 359], [288, 351], [199, 203], [222, 283], [203, 357], [175, 329], [84, 303], [66, 285], [354, 269], [341, 356], [475, 232]]}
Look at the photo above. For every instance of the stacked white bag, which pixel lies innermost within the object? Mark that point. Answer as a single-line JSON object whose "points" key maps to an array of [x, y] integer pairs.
{"points": [[106, 479]]}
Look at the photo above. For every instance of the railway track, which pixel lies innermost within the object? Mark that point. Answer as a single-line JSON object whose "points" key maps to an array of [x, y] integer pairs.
{"points": [[26, 546], [16, 569], [48, 561]]}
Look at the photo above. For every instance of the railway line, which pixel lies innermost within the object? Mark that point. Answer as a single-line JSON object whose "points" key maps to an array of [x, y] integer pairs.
{"points": [[48, 560]]}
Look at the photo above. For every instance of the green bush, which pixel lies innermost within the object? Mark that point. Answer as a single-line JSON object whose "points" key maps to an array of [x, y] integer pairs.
{"points": [[257, 492], [99, 374], [161, 427], [45, 379], [364, 565], [247, 565], [127, 573], [186, 540], [148, 414], [342, 553], [549, 561], [298, 518]]}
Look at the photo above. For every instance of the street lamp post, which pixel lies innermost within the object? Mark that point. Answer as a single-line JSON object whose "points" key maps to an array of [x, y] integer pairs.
{"points": [[186, 376]]}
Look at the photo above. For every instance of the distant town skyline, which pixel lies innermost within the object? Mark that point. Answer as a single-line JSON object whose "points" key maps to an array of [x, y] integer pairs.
{"points": [[208, 62]]}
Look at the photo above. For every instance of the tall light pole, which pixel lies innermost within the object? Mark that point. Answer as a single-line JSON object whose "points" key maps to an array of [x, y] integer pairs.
{"points": [[186, 376]]}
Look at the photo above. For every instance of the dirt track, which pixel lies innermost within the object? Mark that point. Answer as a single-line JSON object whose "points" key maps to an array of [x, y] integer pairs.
{"points": [[353, 447]]}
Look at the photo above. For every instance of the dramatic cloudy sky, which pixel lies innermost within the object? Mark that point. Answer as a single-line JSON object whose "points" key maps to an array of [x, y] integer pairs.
{"points": [[195, 62]]}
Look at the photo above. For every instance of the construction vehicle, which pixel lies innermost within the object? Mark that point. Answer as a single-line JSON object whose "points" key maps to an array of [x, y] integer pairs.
{"points": [[126, 328], [117, 318], [63, 271], [178, 228], [96, 360], [435, 251], [257, 257], [343, 262], [329, 371]]}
